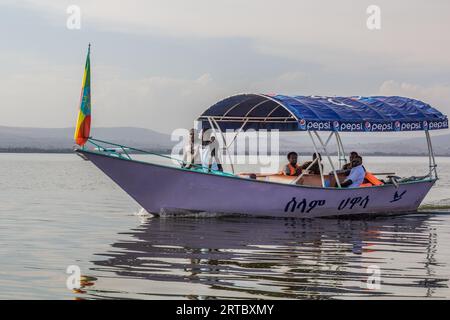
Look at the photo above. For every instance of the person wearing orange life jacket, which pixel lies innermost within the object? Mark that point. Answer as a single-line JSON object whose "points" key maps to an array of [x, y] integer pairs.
{"points": [[292, 168]]}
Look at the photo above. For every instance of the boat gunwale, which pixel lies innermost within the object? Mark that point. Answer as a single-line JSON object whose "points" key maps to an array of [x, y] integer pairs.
{"points": [[245, 179]]}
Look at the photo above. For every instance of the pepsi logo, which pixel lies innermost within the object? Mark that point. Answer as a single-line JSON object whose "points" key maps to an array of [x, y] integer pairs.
{"points": [[302, 123], [336, 124]]}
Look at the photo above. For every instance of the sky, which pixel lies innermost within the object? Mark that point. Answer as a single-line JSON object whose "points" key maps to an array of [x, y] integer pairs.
{"points": [[158, 64]]}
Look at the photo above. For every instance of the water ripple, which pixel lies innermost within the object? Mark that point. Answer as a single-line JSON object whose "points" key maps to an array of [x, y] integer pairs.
{"points": [[273, 258]]}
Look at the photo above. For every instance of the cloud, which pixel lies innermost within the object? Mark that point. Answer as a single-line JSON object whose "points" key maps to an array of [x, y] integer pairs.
{"points": [[157, 102], [293, 82], [179, 57], [39, 95], [44, 94], [437, 95], [333, 33]]}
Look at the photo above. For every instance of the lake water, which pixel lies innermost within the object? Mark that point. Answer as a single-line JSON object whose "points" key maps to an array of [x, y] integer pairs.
{"points": [[57, 211]]}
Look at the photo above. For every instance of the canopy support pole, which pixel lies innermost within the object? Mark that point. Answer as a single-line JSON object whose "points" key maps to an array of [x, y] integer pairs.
{"points": [[338, 150], [237, 133], [324, 147], [341, 151], [431, 158], [213, 121], [317, 152]]}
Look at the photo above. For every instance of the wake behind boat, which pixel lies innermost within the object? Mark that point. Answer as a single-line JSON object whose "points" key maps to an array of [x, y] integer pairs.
{"points": [[162, 189]]}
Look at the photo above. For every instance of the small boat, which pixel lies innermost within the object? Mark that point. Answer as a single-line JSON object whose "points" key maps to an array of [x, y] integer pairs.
{"points": [[165, 189]]}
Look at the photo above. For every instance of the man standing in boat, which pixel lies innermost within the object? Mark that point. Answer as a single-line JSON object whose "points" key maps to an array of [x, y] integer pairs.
{"points": [[214, 154], [192, 153]]}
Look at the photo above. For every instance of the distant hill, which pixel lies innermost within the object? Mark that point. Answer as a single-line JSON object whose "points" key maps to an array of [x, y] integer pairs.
{"points": [[62, 138], [411, 146], [17, 139], [375, 145]]}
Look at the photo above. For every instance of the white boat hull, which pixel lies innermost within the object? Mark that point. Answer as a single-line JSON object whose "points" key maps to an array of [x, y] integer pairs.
{"points": [[161, 189]]}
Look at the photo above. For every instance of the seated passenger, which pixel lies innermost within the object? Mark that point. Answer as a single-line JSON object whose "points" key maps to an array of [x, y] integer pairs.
{"points": [[348, 166], [292, 168], [314, 169], [357, 174]]}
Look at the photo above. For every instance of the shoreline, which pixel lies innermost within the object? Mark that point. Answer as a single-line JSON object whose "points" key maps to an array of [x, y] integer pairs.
{"points": [[166, 151], [60, 151]]}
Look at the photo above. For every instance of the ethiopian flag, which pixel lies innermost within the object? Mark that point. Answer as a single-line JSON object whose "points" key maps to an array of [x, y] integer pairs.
{"points": [[83, 126]]}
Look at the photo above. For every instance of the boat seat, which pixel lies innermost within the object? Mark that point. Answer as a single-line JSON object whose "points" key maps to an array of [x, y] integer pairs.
{"points": [[312, 180], [307, 179]]}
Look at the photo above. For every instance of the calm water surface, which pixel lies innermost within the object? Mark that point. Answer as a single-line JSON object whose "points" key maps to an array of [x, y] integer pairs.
{"points": [[57, 210]]}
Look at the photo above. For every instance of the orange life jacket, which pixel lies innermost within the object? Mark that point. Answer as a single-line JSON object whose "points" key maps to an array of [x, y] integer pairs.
{"points": [[292, 169], [371, 180]]}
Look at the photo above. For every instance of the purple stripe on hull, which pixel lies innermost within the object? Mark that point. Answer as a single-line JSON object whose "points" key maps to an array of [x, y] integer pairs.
{"points": [[160, 189]]}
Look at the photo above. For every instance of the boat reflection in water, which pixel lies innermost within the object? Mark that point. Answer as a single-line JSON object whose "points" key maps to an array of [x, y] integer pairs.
{"points": [[274, 258]]}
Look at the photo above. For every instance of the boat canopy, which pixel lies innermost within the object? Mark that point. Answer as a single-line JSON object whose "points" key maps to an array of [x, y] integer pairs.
{"points": [[321, 113]]}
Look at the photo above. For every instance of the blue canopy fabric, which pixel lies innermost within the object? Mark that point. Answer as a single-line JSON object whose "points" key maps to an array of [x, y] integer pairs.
{"points": [[320, 113]]}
